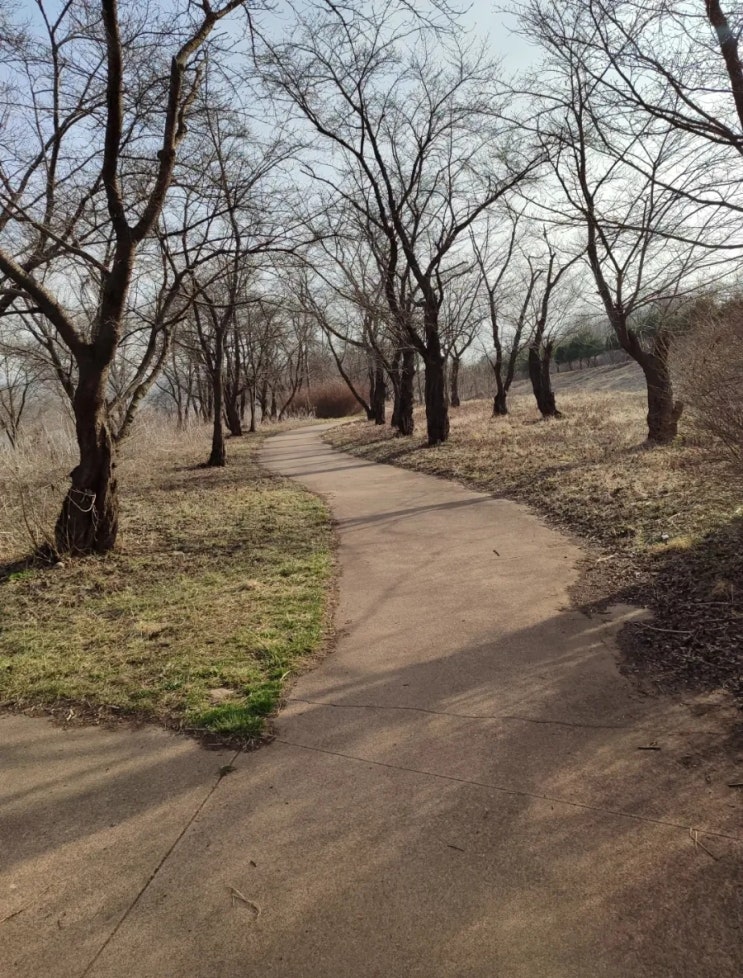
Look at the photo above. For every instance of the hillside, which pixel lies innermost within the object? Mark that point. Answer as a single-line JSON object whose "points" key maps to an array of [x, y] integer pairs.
{"points": [[608, 377]]}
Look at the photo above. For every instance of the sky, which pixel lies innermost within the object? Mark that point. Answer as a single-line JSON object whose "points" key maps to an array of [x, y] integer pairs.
{"points": [[498, 28]]}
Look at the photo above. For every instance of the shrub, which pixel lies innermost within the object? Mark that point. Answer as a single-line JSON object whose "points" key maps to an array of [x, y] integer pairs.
{"points": [[333, 399], [708, 365]]}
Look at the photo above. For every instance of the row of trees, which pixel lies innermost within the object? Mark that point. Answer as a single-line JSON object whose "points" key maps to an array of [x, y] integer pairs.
{"points": [[187, 199]]}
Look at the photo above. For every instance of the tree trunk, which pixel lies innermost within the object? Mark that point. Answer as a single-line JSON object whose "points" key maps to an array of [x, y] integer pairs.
{"points": [[378, 395], [454, 383], [405, 421], [540, 359], [395, 378], [663, 412], [232, 416], [437, 409], [89, 520], [404, 377], [500, 402], [218, 456], [251, 405]]}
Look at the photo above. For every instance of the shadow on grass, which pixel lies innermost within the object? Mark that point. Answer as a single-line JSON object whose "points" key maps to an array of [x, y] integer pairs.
{"points": [[695, 638], [14, 569]]}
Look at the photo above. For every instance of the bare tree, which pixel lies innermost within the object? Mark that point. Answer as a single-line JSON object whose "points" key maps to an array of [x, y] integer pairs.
{"points": [[19, 376], [419, 150], [343, 290], [100, 89], [505, 273], [461, 316], [548, 323], [644, 245], [678, 63]]}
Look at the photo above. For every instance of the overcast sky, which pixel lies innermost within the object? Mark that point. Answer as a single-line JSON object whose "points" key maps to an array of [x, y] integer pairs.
{"points": [[499, 30]]}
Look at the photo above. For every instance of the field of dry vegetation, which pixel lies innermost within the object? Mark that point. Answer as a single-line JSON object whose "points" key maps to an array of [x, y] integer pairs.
{"points": [[216, 594], [663, 527]]}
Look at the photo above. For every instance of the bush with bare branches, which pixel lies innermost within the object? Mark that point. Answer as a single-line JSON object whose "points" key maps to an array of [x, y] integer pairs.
{"points": [[708, 361], [332, 400]]}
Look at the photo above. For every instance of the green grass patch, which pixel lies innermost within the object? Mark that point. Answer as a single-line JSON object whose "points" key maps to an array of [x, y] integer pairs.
{"points": [[217, 594]]}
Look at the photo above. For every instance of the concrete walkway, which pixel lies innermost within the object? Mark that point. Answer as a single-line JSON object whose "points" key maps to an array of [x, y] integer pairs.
{"points": [[458, 791]]}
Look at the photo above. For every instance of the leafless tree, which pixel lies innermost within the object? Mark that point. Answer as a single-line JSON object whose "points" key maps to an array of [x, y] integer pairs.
{"points": [[342, 289], [678, 63], [86, 168], [461, 318], [645, 245], [508, 282], [549, 318], [232, 210], [19, 376], [419, 149]]}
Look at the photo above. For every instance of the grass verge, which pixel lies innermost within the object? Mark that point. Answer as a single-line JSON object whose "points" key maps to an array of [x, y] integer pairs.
{"points": [[217, 594], [664, 526]]}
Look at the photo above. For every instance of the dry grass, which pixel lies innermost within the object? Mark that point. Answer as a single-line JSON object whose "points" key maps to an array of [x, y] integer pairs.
{"points": [[216, 594], [33, 480], [589, 470], [665, 522]]}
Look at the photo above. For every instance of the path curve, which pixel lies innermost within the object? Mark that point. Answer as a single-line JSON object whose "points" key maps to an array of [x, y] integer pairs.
{"points": [[460, 789]]}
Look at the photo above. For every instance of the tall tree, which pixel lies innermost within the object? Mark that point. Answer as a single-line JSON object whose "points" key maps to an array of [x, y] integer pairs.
{"points": [[82, 189], [418, 147], [645, 246]]}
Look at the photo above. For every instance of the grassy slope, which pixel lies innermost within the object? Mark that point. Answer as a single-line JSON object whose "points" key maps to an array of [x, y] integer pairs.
{"points": [[217, 593], [667, 521]]}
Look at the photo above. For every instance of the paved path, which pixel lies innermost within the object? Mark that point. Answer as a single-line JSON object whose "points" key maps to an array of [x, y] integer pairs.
{"points": [[456, 792]]}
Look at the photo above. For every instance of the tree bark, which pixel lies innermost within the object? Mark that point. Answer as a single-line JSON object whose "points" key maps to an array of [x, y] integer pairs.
{"points": [[89, 520], [437, 408], [378, 395], [395, 376], [454, 382], [663, 411], [540, 358], [232, 416], [405, 420], [251, 405], [500, 401], [218, 455]]}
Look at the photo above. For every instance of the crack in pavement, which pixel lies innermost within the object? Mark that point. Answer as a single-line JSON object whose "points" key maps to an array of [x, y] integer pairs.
{"points": [[464, 716], [522, 793], [143, 889]]}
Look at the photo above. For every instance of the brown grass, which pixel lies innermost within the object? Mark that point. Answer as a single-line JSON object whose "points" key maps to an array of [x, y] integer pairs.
{"points": [[664, 523]]}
